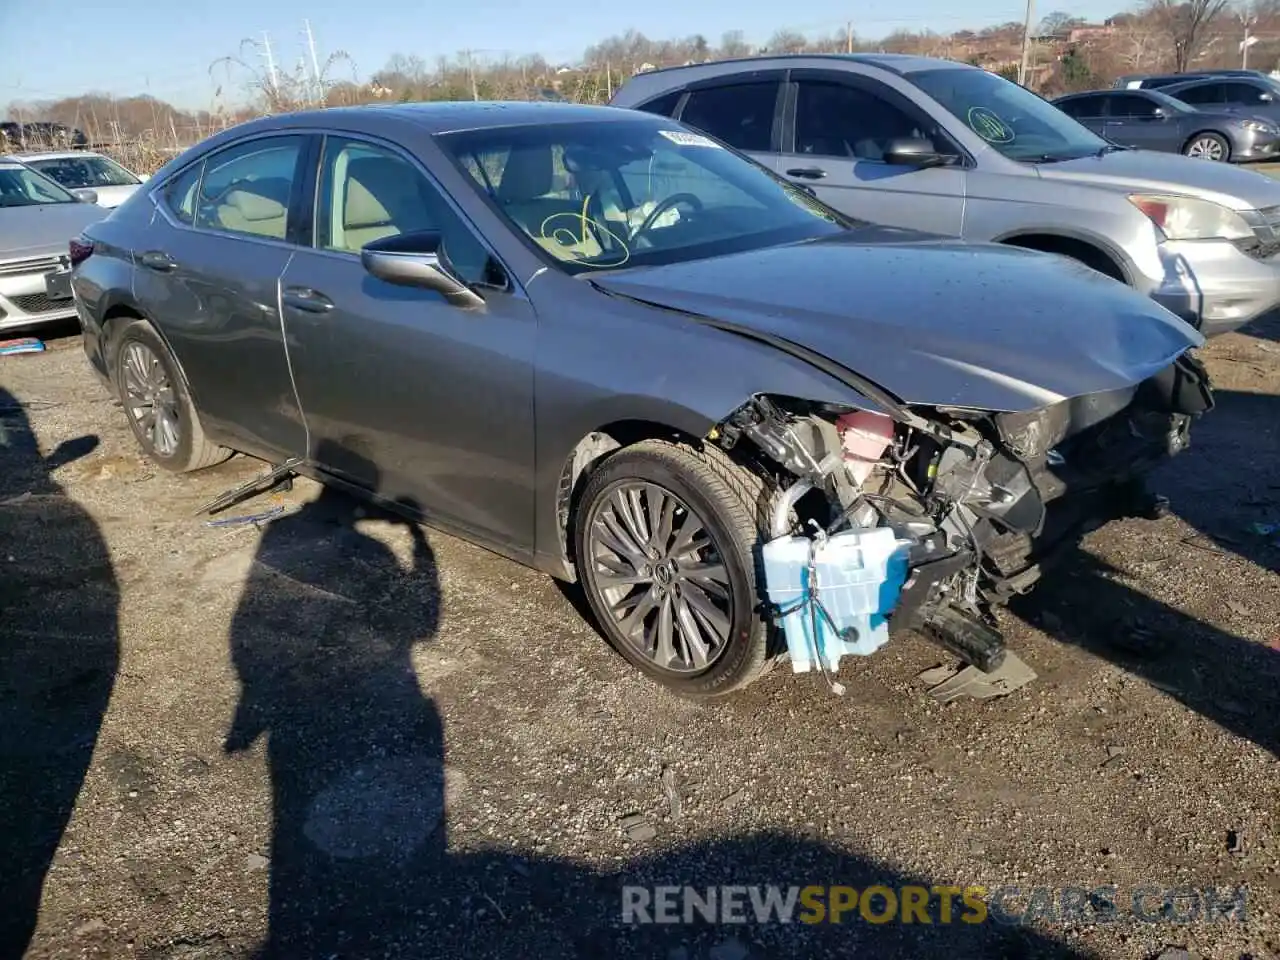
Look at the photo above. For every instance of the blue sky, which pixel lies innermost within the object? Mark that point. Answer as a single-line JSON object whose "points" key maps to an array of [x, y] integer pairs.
{"points": [[141, 46]]}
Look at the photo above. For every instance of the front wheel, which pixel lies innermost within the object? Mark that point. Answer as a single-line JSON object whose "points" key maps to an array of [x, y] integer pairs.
{"points": [[1208, 146], [666, 543], [155, 400]]}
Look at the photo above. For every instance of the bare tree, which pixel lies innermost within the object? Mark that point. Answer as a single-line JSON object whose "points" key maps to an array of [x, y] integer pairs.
{"points": [[1185, 25]]}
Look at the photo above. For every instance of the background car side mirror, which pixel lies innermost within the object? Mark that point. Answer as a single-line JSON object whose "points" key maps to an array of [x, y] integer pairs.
{"points": [[418, 260], [915, 152], [1159, 112], [1265, 97], [85, 195]]}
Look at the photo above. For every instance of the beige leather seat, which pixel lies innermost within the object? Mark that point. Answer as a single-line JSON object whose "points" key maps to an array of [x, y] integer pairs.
{"points": [[381, 199], [258, 207]]}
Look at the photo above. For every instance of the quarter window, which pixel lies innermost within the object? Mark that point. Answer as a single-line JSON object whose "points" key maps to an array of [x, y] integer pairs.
{"points": [[663, 106], [246, 188], [740, 114], [180, 193]]}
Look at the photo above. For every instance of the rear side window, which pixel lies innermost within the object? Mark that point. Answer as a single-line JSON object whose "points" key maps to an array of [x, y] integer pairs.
{"points": [[1207, 93], [180, 194], [664, 106], [740, 114], [246, 187], [1082, 107]]}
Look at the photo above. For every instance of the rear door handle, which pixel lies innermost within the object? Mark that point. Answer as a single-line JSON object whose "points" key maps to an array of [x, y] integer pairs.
{"points": [[809, 173], [158, 260], [307, 300]]}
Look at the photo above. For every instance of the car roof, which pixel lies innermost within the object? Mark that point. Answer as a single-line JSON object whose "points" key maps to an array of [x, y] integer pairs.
{"points": [[900, 63], [450, 116], [54, 154]]}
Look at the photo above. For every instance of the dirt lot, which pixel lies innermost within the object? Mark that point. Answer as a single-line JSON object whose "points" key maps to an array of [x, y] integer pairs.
{"points": [[338, 737]]}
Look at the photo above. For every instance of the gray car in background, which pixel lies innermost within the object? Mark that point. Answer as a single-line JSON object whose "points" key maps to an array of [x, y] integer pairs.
{"points": [[1151, 120], [38, 219], [604, 345], [953, 149]]}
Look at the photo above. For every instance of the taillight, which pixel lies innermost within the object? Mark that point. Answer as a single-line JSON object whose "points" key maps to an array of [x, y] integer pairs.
{"points": [[80, 250]]}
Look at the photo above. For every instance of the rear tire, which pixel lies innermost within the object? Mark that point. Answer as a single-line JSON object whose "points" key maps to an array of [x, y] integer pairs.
{"points": [[1207, 145], [156, 403], [731, 505]]}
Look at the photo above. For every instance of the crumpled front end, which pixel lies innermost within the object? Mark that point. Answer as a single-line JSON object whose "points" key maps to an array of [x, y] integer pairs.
{"points": [[931, 518]]}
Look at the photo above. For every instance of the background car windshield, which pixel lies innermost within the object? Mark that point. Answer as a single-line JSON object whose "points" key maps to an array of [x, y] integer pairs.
{"points": [[79, 172], [20, 187], [607, 195], [1009, 117]]}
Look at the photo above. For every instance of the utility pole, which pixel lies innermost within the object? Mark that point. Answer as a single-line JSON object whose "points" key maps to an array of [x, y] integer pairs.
{"points": [[315, 65], [471, 73], [1026, 44], [271, 63], [1246, 21], [848, 37]]}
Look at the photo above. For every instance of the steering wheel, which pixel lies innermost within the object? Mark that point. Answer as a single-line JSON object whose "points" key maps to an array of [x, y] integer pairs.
{"points": [[663, 206]]}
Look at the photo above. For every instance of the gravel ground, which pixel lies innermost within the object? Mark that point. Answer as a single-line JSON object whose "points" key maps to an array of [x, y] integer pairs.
{"points": [[340, 736]]}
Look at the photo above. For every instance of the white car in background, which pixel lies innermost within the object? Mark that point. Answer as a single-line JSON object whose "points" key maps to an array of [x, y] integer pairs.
{"points": [[86, 170], [39, 224]]}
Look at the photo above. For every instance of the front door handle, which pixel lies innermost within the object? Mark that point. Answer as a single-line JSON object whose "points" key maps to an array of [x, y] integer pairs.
{"points": [[307, 300], [158, 260], [809, 173]]}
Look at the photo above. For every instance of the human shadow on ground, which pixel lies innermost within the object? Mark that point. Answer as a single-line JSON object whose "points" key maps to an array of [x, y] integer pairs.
{"points": [[323, 643], [59, 653]]}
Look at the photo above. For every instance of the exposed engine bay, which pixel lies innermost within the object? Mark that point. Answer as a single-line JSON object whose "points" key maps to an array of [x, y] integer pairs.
{"points": [[978, 500]]}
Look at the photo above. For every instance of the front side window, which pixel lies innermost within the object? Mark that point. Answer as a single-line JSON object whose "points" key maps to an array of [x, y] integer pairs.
{"points": [[626, 193], [1245, 93], [740, 114], [369, 193], [246, 187], [1131, 106], [23, 187], [1010, 118], [76, 173], [836, 120]]}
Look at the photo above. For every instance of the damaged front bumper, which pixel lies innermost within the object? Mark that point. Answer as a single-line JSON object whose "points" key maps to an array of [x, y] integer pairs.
{"points": [[932, 518]]}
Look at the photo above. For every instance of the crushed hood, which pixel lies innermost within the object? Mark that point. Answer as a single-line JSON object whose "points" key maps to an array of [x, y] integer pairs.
{"points": [[933, 321], [1149, 171], [44, 228]]}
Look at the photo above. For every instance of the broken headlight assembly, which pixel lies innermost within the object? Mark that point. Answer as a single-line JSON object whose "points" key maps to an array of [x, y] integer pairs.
{"points": [[1033, 434]]}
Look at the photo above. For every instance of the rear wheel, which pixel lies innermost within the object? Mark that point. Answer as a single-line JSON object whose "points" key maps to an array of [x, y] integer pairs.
{"points": [[1208, 146], [156, 402], [666, 543]]}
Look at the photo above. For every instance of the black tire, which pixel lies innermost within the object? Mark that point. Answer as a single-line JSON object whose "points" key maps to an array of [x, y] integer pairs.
{"points": [[733, 505], [193, 450], [1208, 136]]}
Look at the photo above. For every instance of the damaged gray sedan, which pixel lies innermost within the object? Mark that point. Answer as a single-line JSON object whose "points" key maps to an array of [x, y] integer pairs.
{"points": [[609, 347]]}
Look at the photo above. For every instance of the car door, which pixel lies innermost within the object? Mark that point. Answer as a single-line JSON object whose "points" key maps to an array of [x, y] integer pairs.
{"points": [[1136, 121], [208, 275], [840, 125], [405, 394], [745, 112], [1250, 98], [1088, 110]]}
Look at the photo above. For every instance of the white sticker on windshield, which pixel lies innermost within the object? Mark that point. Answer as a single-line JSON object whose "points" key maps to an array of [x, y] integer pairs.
{"points": [[685, 139]]}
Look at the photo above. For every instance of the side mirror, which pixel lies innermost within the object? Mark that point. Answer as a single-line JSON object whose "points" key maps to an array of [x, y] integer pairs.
{"points": [[418, 260], [85, 195], [914, 152], [1265, 97], [1160, 112]]}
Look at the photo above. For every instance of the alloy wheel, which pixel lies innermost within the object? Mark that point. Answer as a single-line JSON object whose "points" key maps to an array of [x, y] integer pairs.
{"points": [[150, 398], [1205, 148], [661, 576]]}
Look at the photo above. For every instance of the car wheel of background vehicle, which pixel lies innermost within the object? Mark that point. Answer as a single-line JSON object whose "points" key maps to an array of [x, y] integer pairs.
{"points": [[666, 543], [1208, 146], [155, 400]]}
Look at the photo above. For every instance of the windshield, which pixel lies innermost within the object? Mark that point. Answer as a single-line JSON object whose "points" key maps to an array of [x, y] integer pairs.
{"points": [[1011, 118], [75, 173], [20, 187], [603, 195]]}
